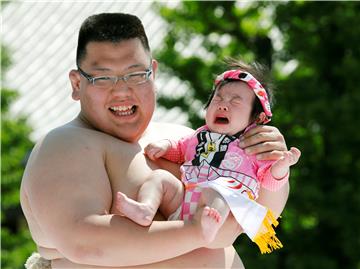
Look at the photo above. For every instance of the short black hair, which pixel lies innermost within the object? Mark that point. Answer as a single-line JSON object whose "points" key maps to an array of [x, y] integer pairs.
{"points": [[260, 72], [112, 27]]}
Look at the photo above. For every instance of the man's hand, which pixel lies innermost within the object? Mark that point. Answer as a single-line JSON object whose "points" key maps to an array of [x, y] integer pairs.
{"points": [[265, 141]]}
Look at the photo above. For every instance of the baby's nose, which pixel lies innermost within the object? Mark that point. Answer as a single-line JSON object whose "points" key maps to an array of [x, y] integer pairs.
{"points": [[223, 107]]}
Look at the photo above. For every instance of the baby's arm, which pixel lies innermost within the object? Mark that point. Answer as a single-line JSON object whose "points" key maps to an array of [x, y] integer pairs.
{"points": [[157, 149], [274, 174], [171, 150], [280, 168]]}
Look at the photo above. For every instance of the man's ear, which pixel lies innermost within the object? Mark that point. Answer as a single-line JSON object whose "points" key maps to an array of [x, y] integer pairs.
{"points": [[154, 67], [74, 76], [261, 118]]}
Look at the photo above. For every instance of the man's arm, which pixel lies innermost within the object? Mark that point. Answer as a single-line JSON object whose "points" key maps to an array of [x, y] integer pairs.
{"points": [[267, 143], [70, 196]]}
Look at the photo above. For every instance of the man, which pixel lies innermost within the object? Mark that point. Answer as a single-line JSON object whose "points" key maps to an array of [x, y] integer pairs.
{"points": [[73, 174]]}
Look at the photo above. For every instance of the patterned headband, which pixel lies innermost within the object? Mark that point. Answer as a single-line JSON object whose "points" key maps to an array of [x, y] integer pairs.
{"points": [[252, 83]]}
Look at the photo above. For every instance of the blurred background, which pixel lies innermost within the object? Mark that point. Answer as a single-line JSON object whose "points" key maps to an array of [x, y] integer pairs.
{"points": [[312, 50]]}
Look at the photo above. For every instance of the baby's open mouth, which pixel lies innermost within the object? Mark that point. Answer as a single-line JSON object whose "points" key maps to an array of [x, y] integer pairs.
{"points": [[221, 120]]}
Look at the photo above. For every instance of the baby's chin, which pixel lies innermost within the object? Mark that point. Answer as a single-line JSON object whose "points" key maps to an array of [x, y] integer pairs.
{"points": [[221, 129]]}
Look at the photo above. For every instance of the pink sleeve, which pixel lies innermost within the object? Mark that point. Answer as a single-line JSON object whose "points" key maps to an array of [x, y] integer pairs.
{"points": [[266, 179], [176, 153]]}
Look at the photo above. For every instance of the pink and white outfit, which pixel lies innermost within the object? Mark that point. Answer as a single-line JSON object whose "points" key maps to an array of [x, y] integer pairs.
{"points": [[216, 161]]}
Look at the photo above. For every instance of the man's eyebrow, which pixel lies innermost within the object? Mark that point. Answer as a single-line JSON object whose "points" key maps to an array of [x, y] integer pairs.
{"points": [[97, 68], [133, 66]]}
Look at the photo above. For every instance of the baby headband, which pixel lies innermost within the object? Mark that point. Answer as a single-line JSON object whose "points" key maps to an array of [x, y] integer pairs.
{"points": [[252, 83]]}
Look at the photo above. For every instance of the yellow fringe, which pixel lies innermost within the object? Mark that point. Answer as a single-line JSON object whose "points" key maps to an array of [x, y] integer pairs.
{"points": [[265, 237]]}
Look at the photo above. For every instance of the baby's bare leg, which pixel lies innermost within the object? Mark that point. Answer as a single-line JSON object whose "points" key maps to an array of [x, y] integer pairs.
{"points": [[161, 190], [215, 212]]}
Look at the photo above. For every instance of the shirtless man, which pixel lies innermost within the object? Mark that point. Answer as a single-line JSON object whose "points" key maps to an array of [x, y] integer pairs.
{"points": [[74, 173]]}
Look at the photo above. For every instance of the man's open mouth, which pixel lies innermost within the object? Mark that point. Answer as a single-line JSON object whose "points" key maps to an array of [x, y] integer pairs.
{"points": [[221, 120], [123, 110]]}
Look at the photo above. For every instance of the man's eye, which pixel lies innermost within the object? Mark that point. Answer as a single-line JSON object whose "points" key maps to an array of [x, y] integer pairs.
{"points": [[102, 78], [137, 78], [140, 76], [103, 81]]}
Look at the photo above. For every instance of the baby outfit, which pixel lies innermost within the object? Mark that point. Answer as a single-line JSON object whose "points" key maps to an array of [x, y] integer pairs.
{"points": [[214, 160]]}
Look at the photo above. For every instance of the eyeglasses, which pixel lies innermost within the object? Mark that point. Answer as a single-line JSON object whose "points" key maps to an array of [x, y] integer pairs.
{"points": [[106, 82]]}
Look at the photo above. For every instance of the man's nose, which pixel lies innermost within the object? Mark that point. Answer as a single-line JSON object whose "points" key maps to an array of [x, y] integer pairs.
{"points": [[121, 88]]}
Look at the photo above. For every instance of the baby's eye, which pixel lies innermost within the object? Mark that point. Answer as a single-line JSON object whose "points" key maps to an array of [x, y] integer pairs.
{"points": [[236, 101], [216, 98]]}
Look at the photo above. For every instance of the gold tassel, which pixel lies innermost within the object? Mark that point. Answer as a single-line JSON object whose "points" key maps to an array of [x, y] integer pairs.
{"points": [[265, 237]]}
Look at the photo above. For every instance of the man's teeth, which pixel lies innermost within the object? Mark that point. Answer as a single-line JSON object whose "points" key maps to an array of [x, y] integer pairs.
{"points": [[123, 110], [120, 108]]}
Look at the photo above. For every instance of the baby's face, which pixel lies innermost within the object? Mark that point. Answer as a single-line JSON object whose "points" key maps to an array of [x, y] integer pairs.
{"points": [[230, 109]]}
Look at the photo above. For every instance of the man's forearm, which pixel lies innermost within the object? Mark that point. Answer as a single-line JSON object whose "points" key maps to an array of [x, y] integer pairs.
{"points": [[107, 241]]}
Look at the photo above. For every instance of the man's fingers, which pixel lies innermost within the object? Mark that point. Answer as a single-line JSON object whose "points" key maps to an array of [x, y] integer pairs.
{"points": [[261, 129], [264, 132], [270, 155], [252, 138], [264, 147]]}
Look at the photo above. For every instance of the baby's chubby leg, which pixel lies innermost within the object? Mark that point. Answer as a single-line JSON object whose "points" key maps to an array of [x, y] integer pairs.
{"points": [[214, 212], [160, 190]]}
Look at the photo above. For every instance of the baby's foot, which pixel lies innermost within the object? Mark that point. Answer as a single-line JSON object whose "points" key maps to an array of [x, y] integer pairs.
{"points": [[138, 212], [210, 223]]}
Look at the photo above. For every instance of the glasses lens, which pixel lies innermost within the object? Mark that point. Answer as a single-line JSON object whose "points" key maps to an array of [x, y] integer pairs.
{"points": [[137, 78], [104, 82]]}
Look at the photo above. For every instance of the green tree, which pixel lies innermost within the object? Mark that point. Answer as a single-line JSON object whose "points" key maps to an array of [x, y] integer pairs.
{"points": [[16, 243], [323, 38], [224, 30], [316, 109]]}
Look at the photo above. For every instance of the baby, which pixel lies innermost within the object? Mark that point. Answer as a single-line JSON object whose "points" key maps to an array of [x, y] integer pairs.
{"points": [[217, 175]]}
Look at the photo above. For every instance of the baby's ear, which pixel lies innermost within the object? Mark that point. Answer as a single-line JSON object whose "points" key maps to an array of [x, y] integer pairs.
{"points": [[261, 118]]}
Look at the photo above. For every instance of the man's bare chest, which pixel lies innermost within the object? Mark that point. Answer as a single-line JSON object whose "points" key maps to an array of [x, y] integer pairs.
{"points": [[127, 169]]}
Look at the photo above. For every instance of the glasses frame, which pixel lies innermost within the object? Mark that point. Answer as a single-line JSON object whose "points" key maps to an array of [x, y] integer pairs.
{"points": [[115, 79]]}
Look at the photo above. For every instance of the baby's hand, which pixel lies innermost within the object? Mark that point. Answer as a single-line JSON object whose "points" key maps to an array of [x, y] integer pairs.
{"points": [[280, 168], [157, 149]]}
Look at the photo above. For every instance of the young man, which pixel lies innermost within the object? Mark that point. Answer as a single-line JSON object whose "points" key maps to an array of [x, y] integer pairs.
{"points": [[74, 173]]}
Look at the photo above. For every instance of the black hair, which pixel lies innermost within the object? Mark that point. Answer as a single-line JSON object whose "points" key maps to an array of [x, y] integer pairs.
{"points": [[260, 72], [112, 27]]}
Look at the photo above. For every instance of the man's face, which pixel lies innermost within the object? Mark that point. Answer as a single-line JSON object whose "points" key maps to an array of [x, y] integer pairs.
{"points": [[229, 111], [122, 110]]}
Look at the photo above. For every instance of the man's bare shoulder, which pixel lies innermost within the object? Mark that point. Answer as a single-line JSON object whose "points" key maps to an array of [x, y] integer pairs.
{"points": [[169, 130], [71, 137], [63, 147], [72, 130]]}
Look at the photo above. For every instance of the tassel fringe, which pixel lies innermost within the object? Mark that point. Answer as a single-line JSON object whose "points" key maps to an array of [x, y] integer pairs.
{"points": [[35, 261], [265, 237]]}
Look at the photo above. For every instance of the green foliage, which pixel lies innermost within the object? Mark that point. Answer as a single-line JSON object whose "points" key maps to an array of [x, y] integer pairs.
{"points": [[323, 39], [223, 30], [316, 110], [15, 146]]}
